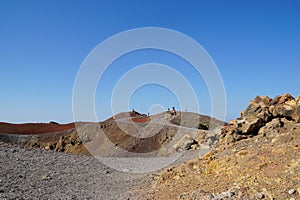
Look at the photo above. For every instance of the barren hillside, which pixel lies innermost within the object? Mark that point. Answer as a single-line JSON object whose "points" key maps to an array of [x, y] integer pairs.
{"points": [[257, 157], [127, 132]]}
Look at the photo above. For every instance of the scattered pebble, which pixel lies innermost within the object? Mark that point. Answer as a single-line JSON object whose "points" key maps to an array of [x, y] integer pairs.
{"points": [[292, 191], [46, 177], [44, 174], [228, 194], [260, 195], [210, 196], [126, 170], [231, 194]]}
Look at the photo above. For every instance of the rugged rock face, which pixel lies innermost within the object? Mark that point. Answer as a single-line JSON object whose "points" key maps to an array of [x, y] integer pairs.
{"points": [[263, 115], [70, 143], [256, 157]]}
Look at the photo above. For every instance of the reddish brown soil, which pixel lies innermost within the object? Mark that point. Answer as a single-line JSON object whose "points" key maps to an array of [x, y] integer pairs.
{"points": [[34, 128], [141, 119]]}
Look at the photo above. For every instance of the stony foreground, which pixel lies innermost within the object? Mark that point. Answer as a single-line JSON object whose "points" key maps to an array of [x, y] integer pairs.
{"points": [[40, 174], [257, 157]]}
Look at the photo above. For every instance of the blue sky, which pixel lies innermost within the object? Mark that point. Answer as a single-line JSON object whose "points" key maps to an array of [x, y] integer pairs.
{"points": [[255, 44]]}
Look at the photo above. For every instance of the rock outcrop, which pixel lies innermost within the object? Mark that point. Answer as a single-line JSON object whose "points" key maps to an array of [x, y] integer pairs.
{"points": [[263, 115], [256, 157]]}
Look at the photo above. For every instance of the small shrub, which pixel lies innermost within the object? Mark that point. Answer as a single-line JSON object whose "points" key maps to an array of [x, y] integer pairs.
{"points": [[203, 127]]}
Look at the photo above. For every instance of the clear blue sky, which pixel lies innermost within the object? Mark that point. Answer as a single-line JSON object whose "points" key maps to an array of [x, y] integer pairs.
{"points": [[255, 44]]}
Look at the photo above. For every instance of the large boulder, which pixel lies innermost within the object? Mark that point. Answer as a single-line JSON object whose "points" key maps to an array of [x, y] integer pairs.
{"points": [[185, 143], [281, 99], [263, 115], [258, 108], [249, 125], [284, 111], [271, 126], [296, 114], [285, 106], [255, 116]]}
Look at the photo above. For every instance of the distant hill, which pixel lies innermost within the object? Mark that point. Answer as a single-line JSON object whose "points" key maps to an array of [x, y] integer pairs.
{"points": [[34, 128], [126, 132]]}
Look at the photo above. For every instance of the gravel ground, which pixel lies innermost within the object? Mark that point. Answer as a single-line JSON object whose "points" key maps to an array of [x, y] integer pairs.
{"points": [[40, 174]]}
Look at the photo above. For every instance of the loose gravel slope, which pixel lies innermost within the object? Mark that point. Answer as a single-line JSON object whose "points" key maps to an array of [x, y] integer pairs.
{"points": [[40, 174]]}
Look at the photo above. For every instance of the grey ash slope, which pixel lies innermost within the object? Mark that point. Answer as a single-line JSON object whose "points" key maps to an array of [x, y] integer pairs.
{"points": [[40, 174]]}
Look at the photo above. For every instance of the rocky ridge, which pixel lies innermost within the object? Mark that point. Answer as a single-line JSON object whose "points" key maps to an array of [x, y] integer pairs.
{"points": [[264, 115], [257, 157]]}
